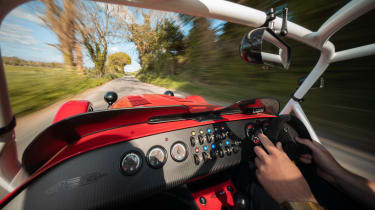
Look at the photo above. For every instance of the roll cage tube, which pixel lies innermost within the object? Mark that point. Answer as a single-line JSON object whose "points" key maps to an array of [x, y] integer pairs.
{"points": [[232, 12]]}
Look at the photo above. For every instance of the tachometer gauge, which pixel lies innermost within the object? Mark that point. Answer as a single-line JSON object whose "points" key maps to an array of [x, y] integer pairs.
{"points": [[131, 163], [156, 157], [179, 152]]}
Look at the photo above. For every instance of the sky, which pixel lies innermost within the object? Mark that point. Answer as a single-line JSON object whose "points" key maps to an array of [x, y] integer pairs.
{"points": [[23, 35]]}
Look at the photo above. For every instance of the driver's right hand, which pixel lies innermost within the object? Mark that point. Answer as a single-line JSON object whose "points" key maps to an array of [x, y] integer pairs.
{"points": [[327, 167]]}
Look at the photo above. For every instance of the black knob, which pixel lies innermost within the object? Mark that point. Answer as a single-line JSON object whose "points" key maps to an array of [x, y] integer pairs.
{"points": [[192, 141], [240, 202], [205, 156], [210, 137], [196, 159], [201, 139], [202, 200], [213, 154], [221, 153], [110, 97], [169, 93], [217, 136], [230, 188], [228, 150]]}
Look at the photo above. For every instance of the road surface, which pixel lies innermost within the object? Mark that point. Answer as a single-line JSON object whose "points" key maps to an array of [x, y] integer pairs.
{"points": [[29, 126]]}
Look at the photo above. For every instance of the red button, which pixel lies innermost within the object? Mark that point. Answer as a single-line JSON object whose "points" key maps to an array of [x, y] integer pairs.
{"points": [[197, 150]]}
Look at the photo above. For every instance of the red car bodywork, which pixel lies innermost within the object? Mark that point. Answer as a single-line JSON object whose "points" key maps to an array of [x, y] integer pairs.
{"points": [[132, 125]]}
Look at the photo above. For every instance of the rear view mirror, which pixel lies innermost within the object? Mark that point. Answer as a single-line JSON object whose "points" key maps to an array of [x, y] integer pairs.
{"points": [[251, 48], [317, 84]]}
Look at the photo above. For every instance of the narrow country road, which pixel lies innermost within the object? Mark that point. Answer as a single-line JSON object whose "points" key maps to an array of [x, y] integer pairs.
{"points": [[29, 126]]}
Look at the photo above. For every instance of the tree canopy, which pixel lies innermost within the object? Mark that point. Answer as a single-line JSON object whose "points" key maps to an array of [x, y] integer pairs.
{"points": [[117, 61]]}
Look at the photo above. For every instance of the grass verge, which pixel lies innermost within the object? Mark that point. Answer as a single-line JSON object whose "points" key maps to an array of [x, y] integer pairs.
{"points": [[33, 88]]}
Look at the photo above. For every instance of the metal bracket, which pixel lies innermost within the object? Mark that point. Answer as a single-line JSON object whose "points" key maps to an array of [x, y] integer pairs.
{"points": [[271, 17], [299, 100]]}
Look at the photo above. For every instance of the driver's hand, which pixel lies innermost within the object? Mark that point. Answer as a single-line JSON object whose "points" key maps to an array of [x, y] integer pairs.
{"points": [[327, 167], [278, 175]]}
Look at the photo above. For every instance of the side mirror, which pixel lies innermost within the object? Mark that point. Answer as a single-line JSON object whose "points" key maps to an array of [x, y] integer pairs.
{"points": [[318, 84], [252, 45], [110, 97]]}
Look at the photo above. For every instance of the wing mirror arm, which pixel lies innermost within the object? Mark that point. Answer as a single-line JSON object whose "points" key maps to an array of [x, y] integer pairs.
{"points": [[284, 26], [251, 48]]}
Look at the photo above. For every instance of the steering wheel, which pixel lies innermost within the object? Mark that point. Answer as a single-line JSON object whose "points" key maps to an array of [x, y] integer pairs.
{"points": [[285, 128]]}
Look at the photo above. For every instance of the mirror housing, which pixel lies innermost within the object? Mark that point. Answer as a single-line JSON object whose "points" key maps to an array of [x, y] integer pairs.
{"points": [[318, 84], [252, 44]]}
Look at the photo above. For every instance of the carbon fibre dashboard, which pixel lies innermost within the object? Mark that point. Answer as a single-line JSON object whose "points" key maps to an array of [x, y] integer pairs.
{"points": [[99, 179]]}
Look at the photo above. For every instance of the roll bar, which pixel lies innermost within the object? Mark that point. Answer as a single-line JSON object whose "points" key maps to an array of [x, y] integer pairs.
{"points": [[235, 13]]}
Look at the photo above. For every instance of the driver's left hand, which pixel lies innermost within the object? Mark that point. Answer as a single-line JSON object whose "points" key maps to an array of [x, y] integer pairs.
{"points": [[278, 175]]}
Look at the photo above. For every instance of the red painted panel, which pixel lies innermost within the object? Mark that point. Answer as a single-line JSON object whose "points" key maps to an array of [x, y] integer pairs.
{"points": [[216, 196], [121, 134], [71, 108], [159, 100], [198, 99], [117, 135]]}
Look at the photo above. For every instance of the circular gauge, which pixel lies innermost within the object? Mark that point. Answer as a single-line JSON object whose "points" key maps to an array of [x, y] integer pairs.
{"points": [[156, 157], [179, 152], [131, 163]]}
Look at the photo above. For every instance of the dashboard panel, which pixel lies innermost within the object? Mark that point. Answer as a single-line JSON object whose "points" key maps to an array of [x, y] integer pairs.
{"points": [[131, 170]]}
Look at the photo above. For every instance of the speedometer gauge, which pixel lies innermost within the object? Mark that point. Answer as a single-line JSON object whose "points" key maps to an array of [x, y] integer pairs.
{"points": [[179, 151], [131, 163], [156, 157]]}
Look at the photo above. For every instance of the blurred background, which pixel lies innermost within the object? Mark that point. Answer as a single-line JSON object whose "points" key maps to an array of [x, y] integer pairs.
{"points": [[56, 49]]}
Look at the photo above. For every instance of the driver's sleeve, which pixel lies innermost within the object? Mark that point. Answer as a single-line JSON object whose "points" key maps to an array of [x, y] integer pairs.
{"points": [[305, 205]]}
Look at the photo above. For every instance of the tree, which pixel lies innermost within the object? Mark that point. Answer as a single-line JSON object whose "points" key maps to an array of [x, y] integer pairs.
{"points": [[202, 52], [96, 28], [117, 61], [63, 21], [140, 27], [170, 43], [170, 37]]}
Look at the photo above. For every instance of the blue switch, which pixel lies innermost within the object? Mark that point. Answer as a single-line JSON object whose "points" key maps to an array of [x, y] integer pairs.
{"points": [[205, 148], [213, 146], [227, 142], [208, 130]]}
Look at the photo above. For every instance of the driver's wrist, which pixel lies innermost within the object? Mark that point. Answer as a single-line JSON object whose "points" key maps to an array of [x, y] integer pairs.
{"points": [[341, 174], [300, 205]]}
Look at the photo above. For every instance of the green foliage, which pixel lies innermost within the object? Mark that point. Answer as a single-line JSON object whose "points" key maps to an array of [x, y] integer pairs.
{"points": [[117, 61], [170, 38], [15, 61], [33, 88], [211, 67], [159, 47]]}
